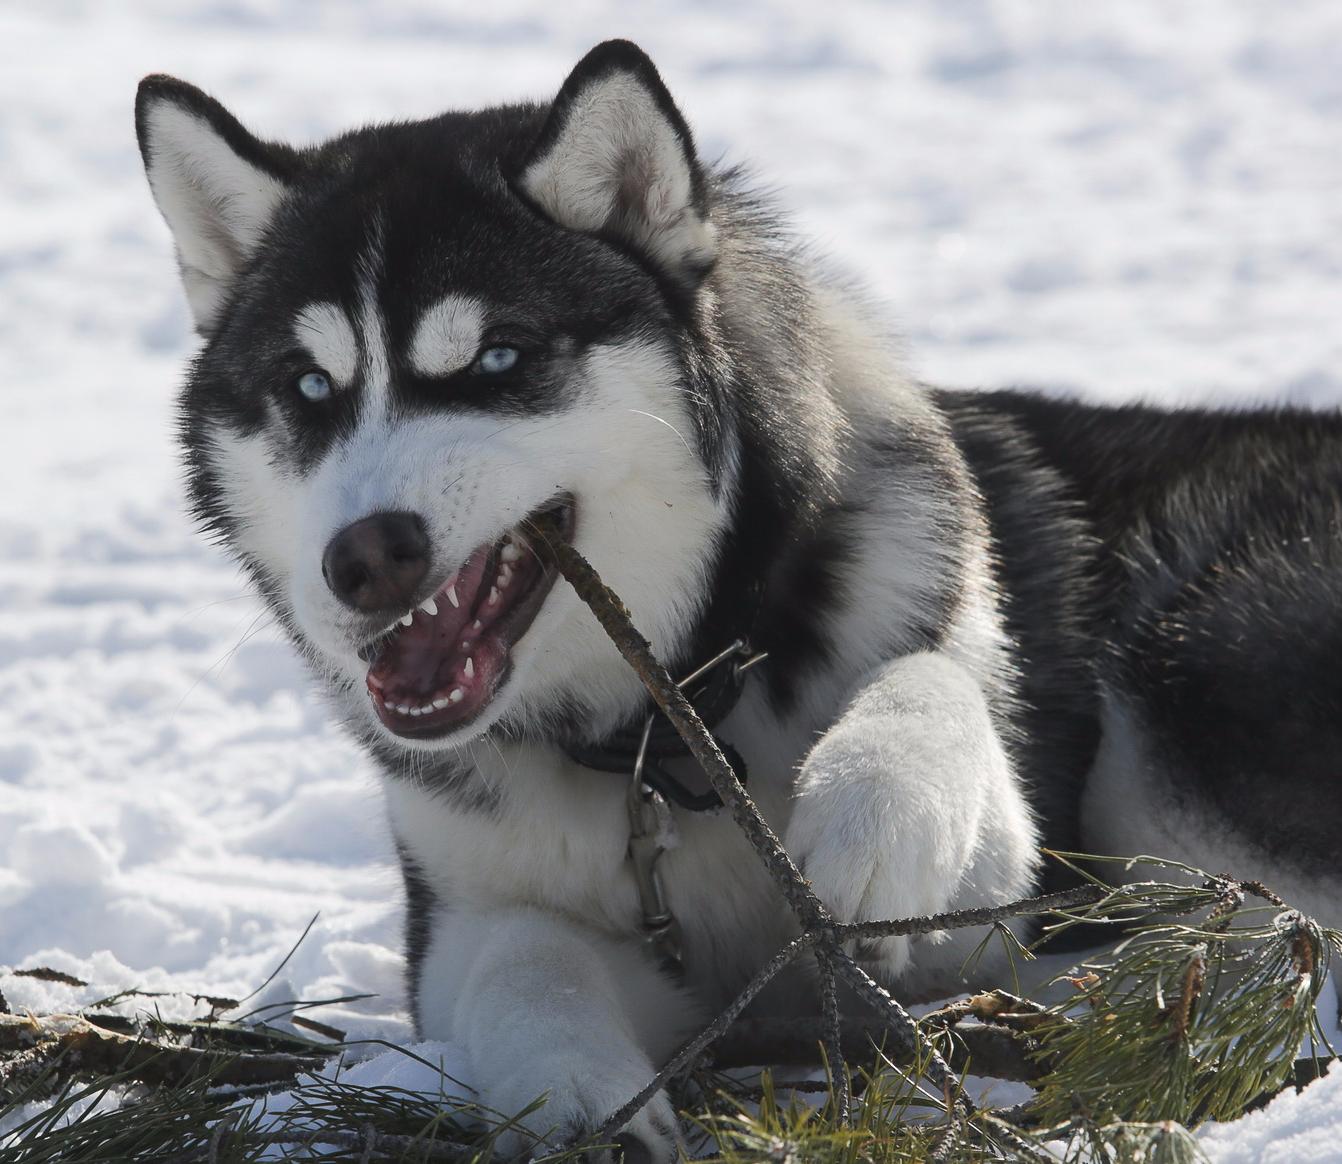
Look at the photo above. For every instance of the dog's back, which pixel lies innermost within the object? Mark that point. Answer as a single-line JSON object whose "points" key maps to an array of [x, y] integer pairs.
{"points": [[1182, 572]]}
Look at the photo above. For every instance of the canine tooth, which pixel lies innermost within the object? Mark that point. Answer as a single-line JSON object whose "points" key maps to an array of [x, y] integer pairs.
{"points": [[440, 704], [456, 695], [452, 595], [429, 607], [407, 618], [470, 667], [493, 595]]}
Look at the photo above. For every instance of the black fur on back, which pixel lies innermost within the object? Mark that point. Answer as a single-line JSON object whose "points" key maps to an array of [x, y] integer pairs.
{"points": [[1191, 562]]}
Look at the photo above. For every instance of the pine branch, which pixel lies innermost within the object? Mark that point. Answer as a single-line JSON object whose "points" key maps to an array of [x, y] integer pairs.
{"points": [[72, 1044], [1188, 1022]]}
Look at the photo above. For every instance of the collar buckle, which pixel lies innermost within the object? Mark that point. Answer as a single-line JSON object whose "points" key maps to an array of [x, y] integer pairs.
{"points": [[652, 828]]}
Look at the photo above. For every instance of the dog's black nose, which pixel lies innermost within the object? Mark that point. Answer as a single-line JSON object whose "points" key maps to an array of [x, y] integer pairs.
{"points": [[378, 563]]}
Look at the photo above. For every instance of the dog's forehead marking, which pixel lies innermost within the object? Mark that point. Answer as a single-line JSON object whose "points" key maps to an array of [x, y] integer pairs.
{"points": [[447, 336], [377, 368], [373, 326], [326, 331]]}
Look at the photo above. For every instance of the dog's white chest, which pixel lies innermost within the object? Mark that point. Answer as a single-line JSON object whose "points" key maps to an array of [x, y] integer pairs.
{"points": [[556, 836]]}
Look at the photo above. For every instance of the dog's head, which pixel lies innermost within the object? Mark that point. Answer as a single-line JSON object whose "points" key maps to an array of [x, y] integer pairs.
{"points": [[418, 338]]}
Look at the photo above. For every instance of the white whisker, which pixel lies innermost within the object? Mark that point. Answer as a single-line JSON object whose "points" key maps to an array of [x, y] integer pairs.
{"points": [[672, 427]]}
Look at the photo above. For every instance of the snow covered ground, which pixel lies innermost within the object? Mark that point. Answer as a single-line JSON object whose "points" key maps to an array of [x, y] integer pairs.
{"points": [[1130, 200]]}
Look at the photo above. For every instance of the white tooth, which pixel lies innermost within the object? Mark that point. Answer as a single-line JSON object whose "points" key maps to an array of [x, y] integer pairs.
{"points": [[465, 646], [429, 607], [470, 667], [476, 625], [501, 582], [440, 704], [510, 553], [452, 595], [493, 595], [402, 709], [415, 711], [408, 618], [456, 695], [506, 573]]}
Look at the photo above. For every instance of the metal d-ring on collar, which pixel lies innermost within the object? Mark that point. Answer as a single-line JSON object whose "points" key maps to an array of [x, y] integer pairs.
{"points": [[652, 828]]}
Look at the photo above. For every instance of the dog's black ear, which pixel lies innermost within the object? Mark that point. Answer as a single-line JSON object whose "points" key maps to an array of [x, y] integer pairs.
{"points": [[217, 186], [616, 158]]}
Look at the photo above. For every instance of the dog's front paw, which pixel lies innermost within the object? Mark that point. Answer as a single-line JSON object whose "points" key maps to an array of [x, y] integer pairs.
{"points": [[861, 868], [580, 1093]]}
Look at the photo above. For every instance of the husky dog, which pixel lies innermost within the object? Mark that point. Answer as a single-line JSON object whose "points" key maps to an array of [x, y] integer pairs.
{"points": [[992, 621]]}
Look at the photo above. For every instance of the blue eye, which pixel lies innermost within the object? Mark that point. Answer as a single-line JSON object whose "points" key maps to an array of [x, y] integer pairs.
{"points": [[314, 386], [492, 361]]}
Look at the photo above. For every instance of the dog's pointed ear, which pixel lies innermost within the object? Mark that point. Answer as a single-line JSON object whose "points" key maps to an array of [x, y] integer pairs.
{"points": [[217, 186], [616, 158]]}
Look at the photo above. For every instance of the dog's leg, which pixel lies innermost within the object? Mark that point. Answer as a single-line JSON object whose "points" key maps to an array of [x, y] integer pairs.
{"points": [[908, 806], [544, 1006]]}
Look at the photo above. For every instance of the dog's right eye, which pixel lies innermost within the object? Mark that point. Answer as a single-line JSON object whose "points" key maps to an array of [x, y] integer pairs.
{"points": [[314, 386], [496, 360]]}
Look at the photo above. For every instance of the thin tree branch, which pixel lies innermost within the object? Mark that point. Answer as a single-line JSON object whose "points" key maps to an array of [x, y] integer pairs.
{"points": [[979, 916], [692, 1049], [908, 1035], [637, 651], [833, 1034]]}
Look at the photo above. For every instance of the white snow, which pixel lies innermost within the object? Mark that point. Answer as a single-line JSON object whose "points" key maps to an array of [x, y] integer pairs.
{"points": [[1300, 1127], [1137, 199]]}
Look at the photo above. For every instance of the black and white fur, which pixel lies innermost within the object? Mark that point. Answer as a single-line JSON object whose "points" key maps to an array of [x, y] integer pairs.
{"points": [[993, 620]]}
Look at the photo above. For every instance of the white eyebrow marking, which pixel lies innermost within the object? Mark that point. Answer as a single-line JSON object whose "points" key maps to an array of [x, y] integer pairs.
{"points": [[448, 336], [327, 333]]}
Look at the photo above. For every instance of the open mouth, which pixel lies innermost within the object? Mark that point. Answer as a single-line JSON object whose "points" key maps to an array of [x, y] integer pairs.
{"points": [[441, 664]]}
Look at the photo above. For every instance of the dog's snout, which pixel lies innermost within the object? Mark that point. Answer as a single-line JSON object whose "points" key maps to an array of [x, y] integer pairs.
{"points": [[378, 563]]}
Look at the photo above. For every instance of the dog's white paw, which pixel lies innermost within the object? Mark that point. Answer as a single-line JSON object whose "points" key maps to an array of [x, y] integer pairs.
{"points": [[852, 876], [843, 839], [580, 1092]]}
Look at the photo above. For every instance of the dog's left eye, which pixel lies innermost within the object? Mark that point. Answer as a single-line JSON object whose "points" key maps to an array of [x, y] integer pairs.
{"points": [[492, 361], [313, 386]]}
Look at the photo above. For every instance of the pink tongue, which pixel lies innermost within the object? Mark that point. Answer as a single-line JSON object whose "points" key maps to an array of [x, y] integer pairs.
{"points": [[413, 662], [420, 658]]}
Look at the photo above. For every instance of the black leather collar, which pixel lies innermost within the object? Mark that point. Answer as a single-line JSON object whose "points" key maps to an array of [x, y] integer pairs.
{"points": [[713, 697]]}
